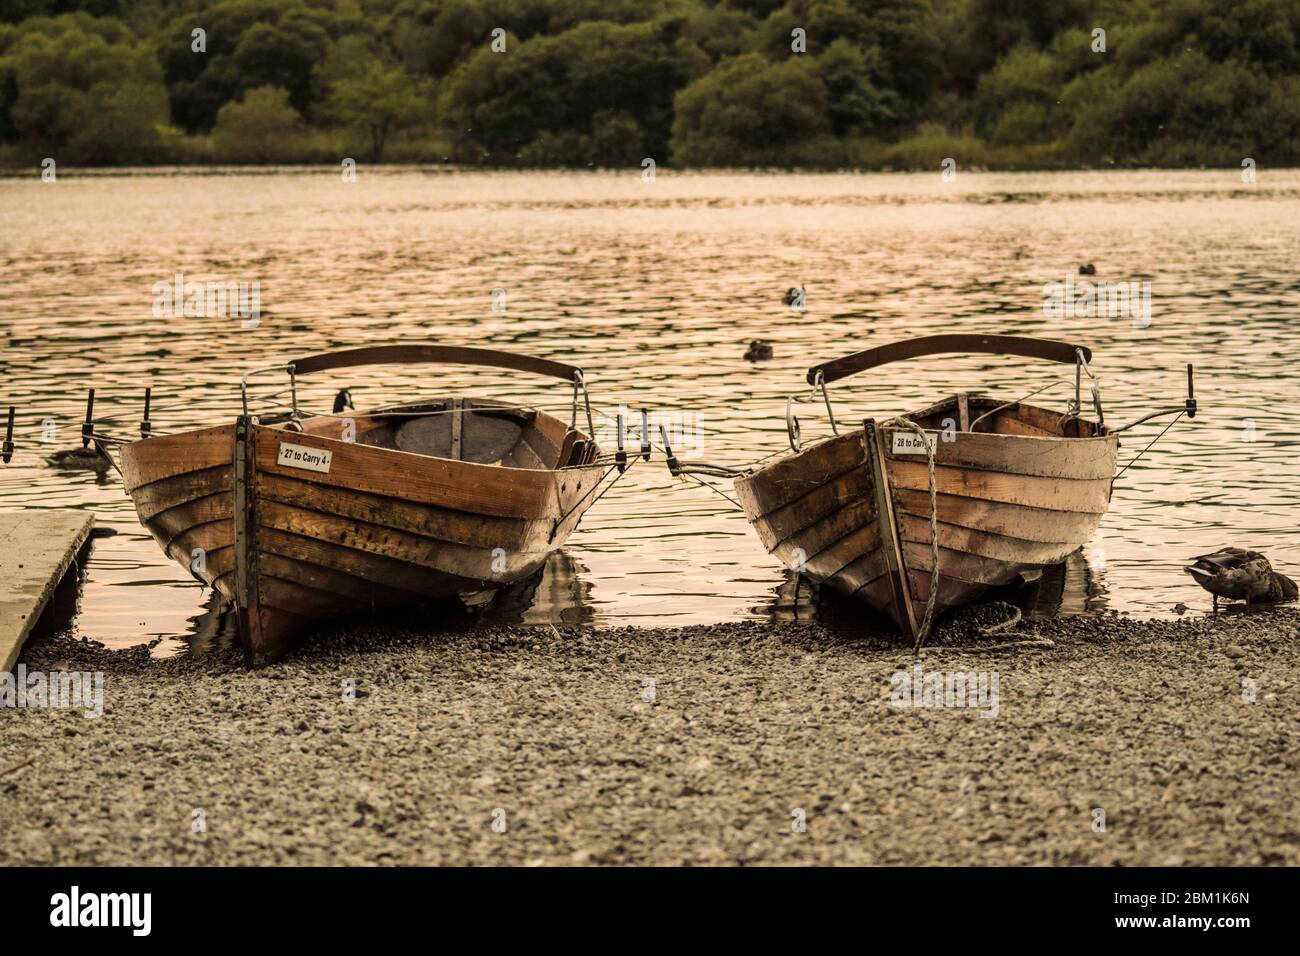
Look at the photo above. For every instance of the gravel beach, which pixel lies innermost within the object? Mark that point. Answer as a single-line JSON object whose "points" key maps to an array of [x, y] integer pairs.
{"points": [[749, 743]]}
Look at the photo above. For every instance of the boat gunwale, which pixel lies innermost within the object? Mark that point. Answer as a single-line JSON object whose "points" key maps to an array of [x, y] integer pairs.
{"points": [[135, 448], [1109, 438]]}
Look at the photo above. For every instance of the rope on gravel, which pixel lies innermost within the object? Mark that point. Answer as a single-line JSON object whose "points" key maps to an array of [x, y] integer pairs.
{"points": [[1042, 643], [1006, 625], [997, 628]]}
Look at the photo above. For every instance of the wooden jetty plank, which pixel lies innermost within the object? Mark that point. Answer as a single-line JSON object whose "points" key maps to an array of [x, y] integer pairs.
{"points": [[36, 550]]}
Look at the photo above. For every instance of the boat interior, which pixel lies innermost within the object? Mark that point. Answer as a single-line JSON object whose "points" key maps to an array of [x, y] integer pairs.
{"points": [[973, 412], [465, 429]]}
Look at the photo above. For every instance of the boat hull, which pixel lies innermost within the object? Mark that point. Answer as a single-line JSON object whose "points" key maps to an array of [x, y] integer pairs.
{"points": [[854, 511], [378, 529]]}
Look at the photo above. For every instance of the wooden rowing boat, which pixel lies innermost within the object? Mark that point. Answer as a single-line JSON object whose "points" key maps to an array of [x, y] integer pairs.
{"points": [[1016, 487], [993, 487], [297, 520]]}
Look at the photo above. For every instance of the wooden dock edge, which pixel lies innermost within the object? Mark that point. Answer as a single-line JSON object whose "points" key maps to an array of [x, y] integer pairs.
{"points": [[37, 547]]}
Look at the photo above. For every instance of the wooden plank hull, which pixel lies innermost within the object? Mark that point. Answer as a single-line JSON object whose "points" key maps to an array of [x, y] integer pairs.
{"points": [[380, 529], [853, 512]]}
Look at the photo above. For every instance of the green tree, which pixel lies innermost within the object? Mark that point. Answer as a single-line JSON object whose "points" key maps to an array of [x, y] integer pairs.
{"points": [[553, 89], [260, 128], [721, 31], [82, 89], [378, 100], [1202, 82], [750, 111], [609, 82], [433, 37], [1014, 98], [250, 43], [898, 38], [856, 104]]}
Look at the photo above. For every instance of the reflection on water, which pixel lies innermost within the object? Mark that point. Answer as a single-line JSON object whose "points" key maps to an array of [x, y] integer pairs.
{"points": [[555, 595], [215, 628], [657, 289], [60, 612]]}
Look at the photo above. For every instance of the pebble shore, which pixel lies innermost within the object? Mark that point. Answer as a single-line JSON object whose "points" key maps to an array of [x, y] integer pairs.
{"points": [[749, 743]]}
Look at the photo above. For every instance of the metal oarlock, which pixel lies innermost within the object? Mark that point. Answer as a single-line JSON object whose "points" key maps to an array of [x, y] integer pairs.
{"points": [[88, 426], [677, 468], [580, 384], [7, 449], [792, 429], [293, 384], [645, 435], [826, 397], [146, 427], [1081, 364], [674, 467], [620, 457], [1188, 407]]}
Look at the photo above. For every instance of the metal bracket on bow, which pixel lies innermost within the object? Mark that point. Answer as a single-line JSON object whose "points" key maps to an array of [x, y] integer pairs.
{"points": [[792, 421]]}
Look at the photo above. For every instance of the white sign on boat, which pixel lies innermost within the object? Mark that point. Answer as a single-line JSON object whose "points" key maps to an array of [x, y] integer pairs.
{"points": [[908, 443], [301, 456]]}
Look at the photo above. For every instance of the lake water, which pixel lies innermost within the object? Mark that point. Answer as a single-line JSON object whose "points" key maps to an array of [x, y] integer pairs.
{"points": [[656, 288]]}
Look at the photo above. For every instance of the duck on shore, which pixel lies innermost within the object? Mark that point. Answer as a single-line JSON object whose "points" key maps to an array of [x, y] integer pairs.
{"points": [[1240, 575]]}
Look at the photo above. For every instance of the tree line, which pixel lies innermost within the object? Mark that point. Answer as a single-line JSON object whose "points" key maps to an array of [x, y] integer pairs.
{"points": [[609, 83]]}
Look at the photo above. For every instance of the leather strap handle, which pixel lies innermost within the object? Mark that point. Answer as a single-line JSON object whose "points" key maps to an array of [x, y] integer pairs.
{"points": [[447, 354], [1046, 349]]}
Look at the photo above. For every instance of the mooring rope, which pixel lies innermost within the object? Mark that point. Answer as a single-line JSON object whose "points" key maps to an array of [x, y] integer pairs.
{"points": [[931, 601], [1001, 626], [594, 488], [103, 450], [721, 494], [699, 481], [1171, 424]]}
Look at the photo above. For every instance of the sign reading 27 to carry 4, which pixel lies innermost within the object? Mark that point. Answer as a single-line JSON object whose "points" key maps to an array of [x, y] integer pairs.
{"points": [[300, 456]]}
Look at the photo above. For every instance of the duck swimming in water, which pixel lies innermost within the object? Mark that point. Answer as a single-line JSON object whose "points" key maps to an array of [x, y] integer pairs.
{"points": [[83, 459], [1088, 270], [759, 351], [1240, 575], [795, 296], [343, 400]]}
